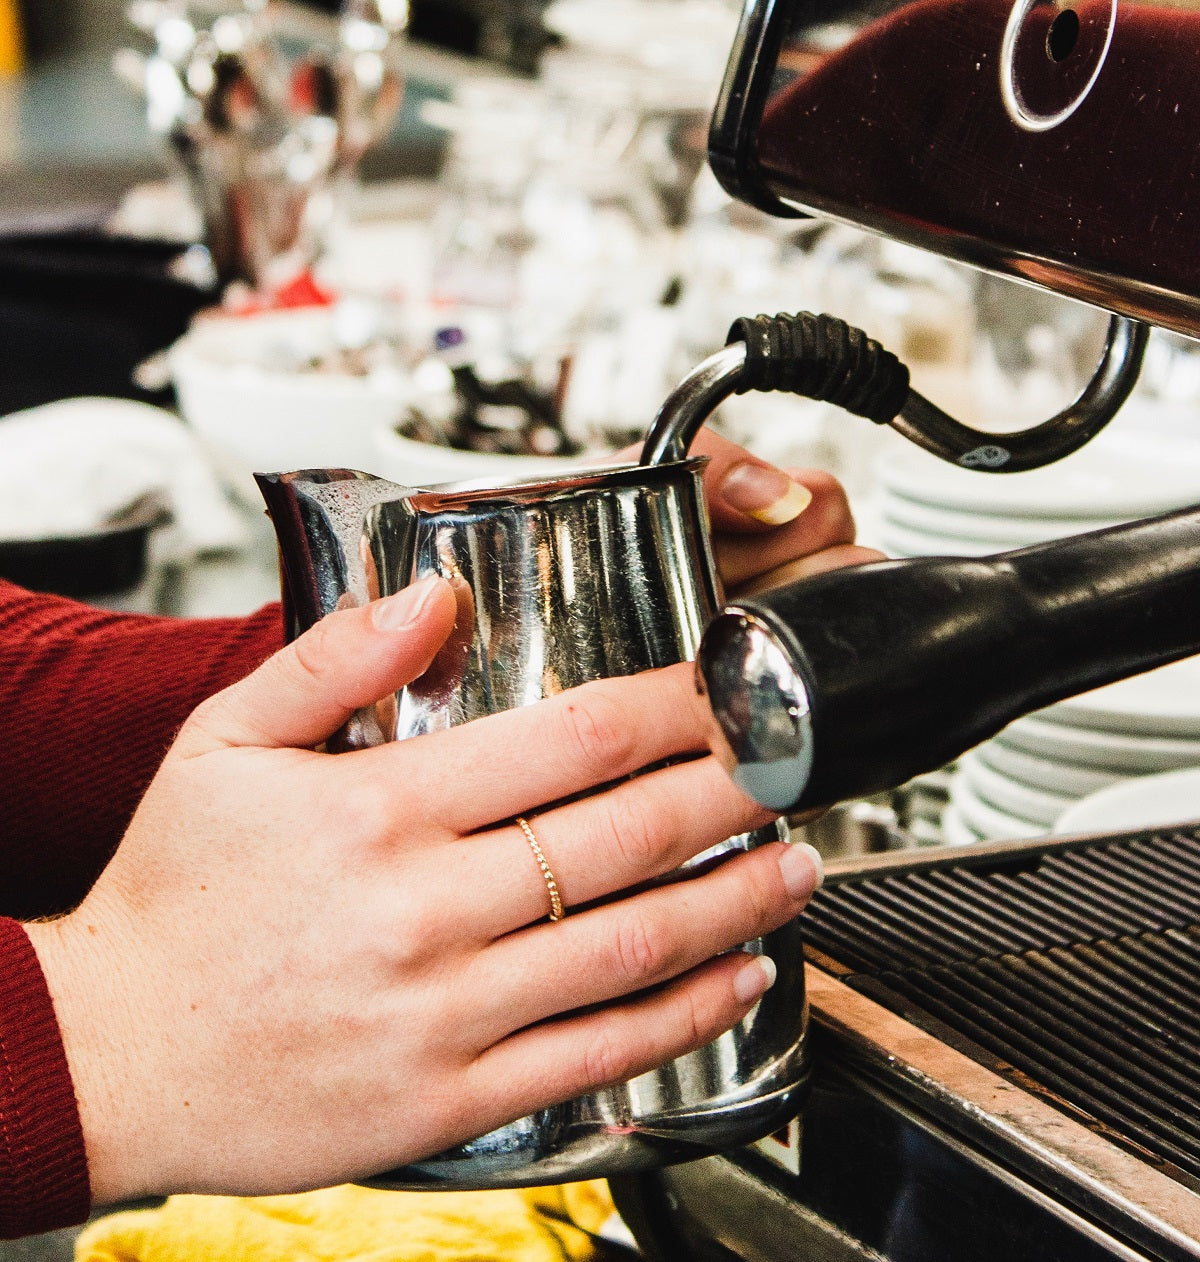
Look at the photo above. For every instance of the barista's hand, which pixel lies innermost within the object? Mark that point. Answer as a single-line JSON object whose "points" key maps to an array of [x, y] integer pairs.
{"points": [[771, 526], [301, 968]]}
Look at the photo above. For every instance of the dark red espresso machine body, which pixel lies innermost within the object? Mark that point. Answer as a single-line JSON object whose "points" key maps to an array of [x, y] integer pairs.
{"points": [[1005, 1035], [1057, 143]]}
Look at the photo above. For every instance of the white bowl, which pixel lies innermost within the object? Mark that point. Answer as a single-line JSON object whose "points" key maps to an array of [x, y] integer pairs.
{"points": [[413, 463], [256, 416]]}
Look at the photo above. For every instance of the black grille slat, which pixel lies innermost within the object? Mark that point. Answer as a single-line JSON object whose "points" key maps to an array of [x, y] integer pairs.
{"points": [[993, 901], [1056, 1074], [1110, 917], [1077, 967], [1134, 896], [1153, 861], [1104, 991], [1140, 1024]]}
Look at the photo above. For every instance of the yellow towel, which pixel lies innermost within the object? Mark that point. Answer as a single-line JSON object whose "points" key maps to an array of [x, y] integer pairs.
{"points": [[355, 1224]]}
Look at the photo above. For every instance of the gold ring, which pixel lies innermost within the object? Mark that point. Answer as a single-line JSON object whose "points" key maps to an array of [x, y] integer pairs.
{"points": [[556, 907]]}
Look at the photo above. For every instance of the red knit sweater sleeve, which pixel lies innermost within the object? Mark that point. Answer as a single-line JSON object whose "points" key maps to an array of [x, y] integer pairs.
{"points": [[89, 703]]}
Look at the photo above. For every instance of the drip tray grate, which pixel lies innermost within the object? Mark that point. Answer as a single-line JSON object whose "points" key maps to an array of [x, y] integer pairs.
{"points": [[1073, 970]]}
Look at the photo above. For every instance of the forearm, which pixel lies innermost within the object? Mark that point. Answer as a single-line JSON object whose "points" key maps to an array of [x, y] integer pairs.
{"points": [[89, 703]]}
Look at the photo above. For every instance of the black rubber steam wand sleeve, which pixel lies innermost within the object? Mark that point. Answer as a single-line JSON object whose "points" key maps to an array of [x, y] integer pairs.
{"points": [[910, 663]]}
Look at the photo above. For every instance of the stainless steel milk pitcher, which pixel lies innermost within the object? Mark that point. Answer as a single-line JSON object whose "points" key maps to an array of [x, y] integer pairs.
{"points": [[580, 576]]}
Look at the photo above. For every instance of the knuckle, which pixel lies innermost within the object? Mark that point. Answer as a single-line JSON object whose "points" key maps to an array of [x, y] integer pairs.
{"points": [[640, 953], [604, 1061], [364, 808], [595, 728], [763, 898], [694, 1031], [311, 653], [631, 836]]}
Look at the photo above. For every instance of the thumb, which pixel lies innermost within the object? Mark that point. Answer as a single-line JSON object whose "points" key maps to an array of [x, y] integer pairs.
{"points": [[306, 691]]}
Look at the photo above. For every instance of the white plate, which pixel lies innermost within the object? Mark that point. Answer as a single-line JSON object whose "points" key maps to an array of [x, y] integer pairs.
{"points": [[956, 831], [1147, 802], [1005, 531], [989, 822], [1118, 476], [1052, 775], [1163, 702], [900, 541], [1141, 755], [1011, 795]]}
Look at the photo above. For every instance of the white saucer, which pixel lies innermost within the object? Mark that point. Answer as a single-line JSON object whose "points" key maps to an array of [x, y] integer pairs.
{"points": [[1052, 775], [991, 823], [1011, 796], [956, 831], [1141, 755], [1005, 531], [1162, 702], [1147, 802], [1113, 476], [900, 541]]}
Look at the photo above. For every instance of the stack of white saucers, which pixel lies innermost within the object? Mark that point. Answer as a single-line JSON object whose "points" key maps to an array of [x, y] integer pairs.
{"points": [[1018, 784], [1029, 777], [926, 507]]}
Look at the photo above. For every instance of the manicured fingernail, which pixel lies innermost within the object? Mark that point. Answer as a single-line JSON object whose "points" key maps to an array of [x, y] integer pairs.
{"points": [[754, 979], [803, 870], [765, 493], [403, 610]]}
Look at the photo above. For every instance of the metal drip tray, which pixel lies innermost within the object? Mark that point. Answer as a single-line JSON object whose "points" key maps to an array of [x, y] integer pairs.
{"points": [[1006, 1065], [1073, 971]]}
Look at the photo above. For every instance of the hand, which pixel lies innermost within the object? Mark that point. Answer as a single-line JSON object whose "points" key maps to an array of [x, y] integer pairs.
{"points": [[771, 526], [301, 968]]}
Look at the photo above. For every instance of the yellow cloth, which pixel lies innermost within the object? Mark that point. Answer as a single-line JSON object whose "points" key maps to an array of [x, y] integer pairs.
{"points": [[355, 1224], [11, 50]]}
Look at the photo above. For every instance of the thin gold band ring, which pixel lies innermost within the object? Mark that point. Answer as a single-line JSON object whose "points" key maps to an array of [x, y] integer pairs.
{"points": [[556, 907]]}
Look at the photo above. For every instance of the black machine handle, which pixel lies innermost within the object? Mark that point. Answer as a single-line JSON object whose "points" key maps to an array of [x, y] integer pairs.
{"points": [[856, 680]]}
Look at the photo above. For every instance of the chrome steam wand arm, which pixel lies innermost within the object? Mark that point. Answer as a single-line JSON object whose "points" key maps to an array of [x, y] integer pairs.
{"points": [[822, 357]]}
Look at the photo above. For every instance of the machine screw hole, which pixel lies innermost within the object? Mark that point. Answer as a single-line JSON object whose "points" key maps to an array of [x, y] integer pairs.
{"points": [[1062, 35]]}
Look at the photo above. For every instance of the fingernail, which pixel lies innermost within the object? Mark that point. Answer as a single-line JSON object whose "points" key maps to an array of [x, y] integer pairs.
{"points": [[403, 610], [754, 979], [765, 493], [803, 870]]}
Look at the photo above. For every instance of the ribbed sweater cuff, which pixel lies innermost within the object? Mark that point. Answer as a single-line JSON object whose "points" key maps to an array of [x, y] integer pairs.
{"points": [[43, 1163]]}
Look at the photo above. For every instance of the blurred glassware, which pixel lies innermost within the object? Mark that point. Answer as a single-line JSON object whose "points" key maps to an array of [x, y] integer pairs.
{"points": [[268, 110]]}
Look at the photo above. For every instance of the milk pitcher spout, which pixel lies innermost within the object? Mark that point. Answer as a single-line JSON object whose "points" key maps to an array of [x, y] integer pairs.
{"points": [[345, 538]]}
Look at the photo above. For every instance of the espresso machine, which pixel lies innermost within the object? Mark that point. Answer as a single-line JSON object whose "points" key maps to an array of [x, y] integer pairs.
{"points": [[1000, 1061], [1004, 1036]]}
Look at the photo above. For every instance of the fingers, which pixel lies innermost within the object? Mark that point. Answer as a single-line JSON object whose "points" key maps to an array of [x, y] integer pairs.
{"points": [[582, 1054], [611, 841], [744, 493], [806, 567], [606, 953], [578, 740], [306, 691], [826, 523]]}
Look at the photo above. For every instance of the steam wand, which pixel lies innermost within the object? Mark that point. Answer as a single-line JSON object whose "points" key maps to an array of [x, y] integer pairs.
{"points": [[822, 357], [854, 681]]}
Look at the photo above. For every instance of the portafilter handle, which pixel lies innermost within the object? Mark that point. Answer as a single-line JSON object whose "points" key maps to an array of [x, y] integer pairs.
{"points": [[854, 681]]}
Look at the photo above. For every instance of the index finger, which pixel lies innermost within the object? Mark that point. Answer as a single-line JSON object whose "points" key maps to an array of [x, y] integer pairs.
{"points": [[507, 764]]}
